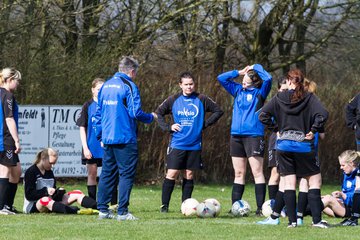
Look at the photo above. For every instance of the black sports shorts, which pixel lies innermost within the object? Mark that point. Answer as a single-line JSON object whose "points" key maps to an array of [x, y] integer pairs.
{"points": [[301, 164], [245, 146], [183, 159]]}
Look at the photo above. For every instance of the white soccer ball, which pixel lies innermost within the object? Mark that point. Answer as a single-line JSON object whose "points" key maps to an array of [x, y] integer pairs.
{"points": [[188, 207], [241, 208], [267, 207], [206, 210], [216, 204]]}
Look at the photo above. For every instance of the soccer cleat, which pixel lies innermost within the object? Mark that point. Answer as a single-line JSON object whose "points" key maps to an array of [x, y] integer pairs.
{"points": [[348, 222], [321, 224], [292, 225], [5, 211], [299, 221], [269, 221], [126, 217], [87, 211], [106, 215], [164, 209]]}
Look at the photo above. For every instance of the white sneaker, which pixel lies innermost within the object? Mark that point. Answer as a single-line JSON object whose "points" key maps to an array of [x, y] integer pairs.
{"points": [[106, 215], [126, 217]]}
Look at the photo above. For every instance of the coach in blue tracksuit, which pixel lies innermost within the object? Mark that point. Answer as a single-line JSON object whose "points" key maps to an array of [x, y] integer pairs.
{"points": [[188, 109], [119, 106], [247, 132], [353, 117]]}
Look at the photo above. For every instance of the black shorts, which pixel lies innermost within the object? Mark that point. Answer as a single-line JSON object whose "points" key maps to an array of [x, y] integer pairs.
{"points": [[8, 157], [301, 164], [241, 146], [97, 161], [272, 159], [183, 159]]}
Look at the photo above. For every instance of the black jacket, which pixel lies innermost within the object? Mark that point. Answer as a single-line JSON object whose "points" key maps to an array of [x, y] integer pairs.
{"points": [[352, 115], [305, 115]]}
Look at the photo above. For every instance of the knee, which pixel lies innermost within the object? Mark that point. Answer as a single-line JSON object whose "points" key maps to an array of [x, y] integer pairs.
{"points": [[258, 173], [44, 201]]}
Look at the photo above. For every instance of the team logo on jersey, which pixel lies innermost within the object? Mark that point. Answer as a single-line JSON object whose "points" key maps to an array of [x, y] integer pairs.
{"points": [[192, 111], [249, 97], [348, 184]]}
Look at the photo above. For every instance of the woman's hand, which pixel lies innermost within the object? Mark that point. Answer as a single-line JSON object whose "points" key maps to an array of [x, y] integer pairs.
{"points": [[309, 136], [244, 70], [176, 127], [51, 191], [87, 153]]}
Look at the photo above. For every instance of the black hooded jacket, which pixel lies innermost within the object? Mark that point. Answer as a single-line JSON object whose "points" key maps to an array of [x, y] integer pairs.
{"points": [[353, 115], [305, 115]]}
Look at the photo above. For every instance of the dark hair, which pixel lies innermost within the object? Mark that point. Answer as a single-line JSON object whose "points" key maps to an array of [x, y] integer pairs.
{"points": [[297, 78], [256, 80], [127, 64], [186, 75], [281, 81]]}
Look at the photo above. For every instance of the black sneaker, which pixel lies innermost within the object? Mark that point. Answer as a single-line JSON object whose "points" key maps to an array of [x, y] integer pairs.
{"points": [[259, 213], [164, 209], [349, 222], [11, 209]]}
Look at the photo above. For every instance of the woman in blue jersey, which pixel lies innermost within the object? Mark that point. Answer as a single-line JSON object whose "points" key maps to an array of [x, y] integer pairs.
{"points": [[247, 132], [298, 115], [10, 169], [92, 151], [188, 110], [41, 194]]}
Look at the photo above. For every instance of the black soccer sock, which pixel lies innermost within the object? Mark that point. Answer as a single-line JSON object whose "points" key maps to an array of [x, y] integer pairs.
{"points": [[4, 186], [167, 189], [279, 205], [302, 203], [88, 202], [273, 189], [12, 188], [355, 214], [59, 207], [187, 188], [92, 191], [314, 198], [260, 192], [237, 192], [290, 202]]}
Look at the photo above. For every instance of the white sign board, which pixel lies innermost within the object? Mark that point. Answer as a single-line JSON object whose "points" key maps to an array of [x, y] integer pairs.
{"points": [[55, 127]]}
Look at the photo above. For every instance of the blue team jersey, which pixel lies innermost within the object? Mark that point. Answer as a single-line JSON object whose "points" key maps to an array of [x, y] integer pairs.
{"points": [[87, 119], [348, 187], [247, 103], [189, 113]]}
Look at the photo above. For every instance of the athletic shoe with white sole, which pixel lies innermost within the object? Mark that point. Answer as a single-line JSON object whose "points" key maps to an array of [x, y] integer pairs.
{"points": [[106, 215], [126, 217], [321, 224], [269, 221]]}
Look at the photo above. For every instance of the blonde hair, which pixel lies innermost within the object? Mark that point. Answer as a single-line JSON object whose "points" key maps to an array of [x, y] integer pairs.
{"points": [[310, 86], [97, 81], [8, 73], [350, 156], [44, 154]]}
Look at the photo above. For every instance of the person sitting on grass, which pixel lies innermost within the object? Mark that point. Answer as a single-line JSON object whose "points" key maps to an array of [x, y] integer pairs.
{"points": [[41, 194]]}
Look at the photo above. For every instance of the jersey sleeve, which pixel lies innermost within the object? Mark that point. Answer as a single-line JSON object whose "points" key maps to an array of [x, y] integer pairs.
{"points": [[214, 108], [164, 108], [227, 81], [133, 102], [9, 102], [351, 112], [267, 80], [82, 121]]}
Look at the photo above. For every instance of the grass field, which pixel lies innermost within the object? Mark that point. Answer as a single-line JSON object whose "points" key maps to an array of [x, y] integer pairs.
{"points": [[145, 202]]}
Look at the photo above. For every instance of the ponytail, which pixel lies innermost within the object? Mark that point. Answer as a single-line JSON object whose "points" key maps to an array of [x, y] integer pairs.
{"points": [[297, 78], [8, 73], [44, 154]]}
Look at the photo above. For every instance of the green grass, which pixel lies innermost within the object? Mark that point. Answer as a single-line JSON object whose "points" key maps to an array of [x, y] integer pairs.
{"points": [[145, 202]]}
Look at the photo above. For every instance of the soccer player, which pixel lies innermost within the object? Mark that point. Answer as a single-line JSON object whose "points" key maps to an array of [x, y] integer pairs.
{"points": [[353, 118], [41, 194], [10, 169], [298, 115], [92, 152], [188, 109], [247, 132]]}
